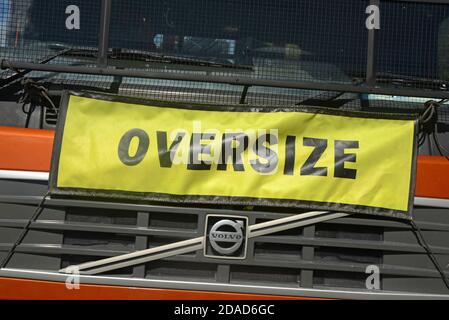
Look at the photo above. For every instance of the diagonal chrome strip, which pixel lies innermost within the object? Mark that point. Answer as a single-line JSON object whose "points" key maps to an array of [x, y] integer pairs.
{"points": [[293, 218], [140, 253], [152, 257], [181, 247], [291, 225]]}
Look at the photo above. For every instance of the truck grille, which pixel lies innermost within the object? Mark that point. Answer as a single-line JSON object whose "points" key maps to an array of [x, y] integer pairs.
{"points": [[331, 255]]}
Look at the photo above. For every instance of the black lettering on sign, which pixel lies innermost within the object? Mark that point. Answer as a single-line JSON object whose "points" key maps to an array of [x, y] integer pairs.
{"points": [[142, 149], [197, 149], [166, 156], [289, 167], [309, 169], [235, 151], [262, 151], [341, 157]]}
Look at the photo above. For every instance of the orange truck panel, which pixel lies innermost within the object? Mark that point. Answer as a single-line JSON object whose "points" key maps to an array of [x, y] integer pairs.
{"points": [[22, 289]]}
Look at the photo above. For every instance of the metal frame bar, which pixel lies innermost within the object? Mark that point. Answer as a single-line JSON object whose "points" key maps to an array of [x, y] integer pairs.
{"points": [[372, 52], [240, 81], [371, 59], [141, 241], [21, 74], [105, 22]]}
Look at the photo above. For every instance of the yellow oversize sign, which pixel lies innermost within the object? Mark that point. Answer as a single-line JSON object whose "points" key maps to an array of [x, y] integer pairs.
{"points": [[108, 146]]}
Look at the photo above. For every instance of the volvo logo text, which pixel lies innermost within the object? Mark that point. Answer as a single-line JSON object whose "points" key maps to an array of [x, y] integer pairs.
{"points": [[226, 237]]}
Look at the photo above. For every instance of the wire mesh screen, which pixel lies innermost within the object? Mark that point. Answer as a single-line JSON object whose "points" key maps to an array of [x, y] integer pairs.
{"points": [[413, 45], [316, 40], [31, 30], [320, 42], [276, 40]]}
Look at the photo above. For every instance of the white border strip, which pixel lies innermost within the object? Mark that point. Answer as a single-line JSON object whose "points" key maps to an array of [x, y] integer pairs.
{"points": [[24, 175], [432, 202]]}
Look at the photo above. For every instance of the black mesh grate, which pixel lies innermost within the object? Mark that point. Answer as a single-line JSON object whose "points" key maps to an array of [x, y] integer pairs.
{"points": [[413, 45], [108, 217], [320, 42], [337, 279], [289, 40], [30, 30]]}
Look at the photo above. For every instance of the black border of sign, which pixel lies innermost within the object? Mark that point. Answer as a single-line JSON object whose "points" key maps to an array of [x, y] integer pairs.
{"points": [[223, 200]]}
